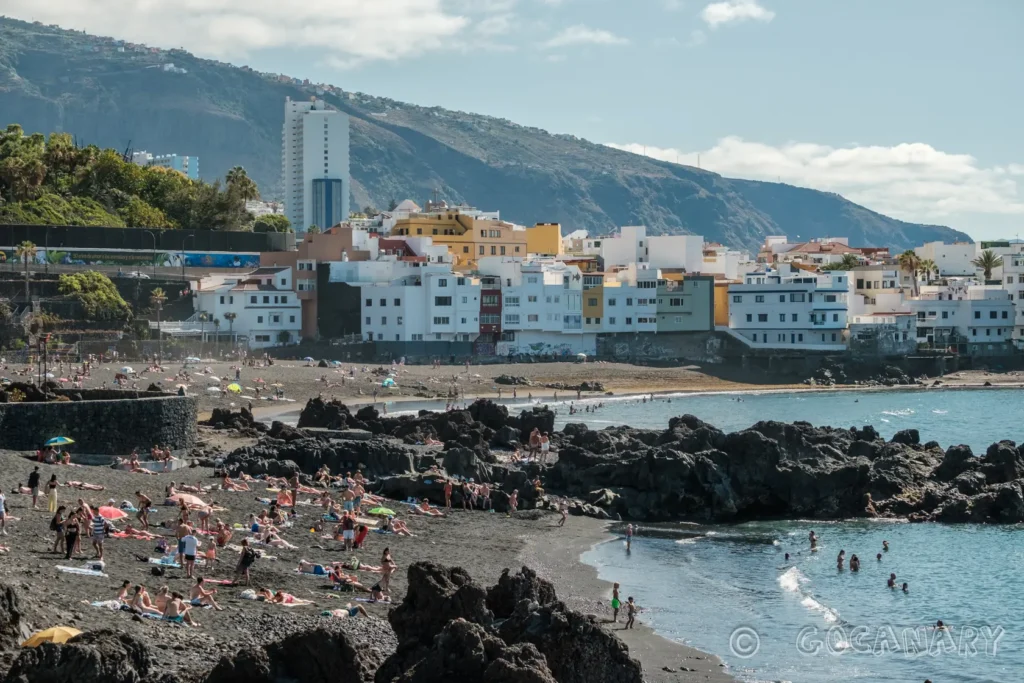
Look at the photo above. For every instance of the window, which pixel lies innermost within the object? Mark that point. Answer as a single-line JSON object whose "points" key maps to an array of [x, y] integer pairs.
{"points": [[1005, 315], [463, 321], [531, 318], [483, 233], [490, 319], [231, 299], [974, 332], [835, 317], [460, 281], [860, 283], [517, 250], [442, 282], [629, 301], [675, 302], [512, 319], [794, 317], [291, 318], [465, 250], [762, 317], [782, 298], [737, 299], [629, 321], [512, 301], [489, 300], [369, 303], [502, 250], [945, 314], [262, 337], [442, 320], [750, 317], [259, 319], [398, 302], [591, 301], [266, 299], [222, 299], [800, 337], [252, 299], [558, 298], [993, 315], [275, 319], [531, 299], [798, 297], [481, 251], [367, 320], [977, 314], [830, 298], [417, 337], [597, 321], [765, 337], [588, 321], [611, 321], [442, 301], [988, 332], [759, 299]]}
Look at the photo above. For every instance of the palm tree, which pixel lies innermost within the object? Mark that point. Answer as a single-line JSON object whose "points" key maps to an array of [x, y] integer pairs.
{"points": [[987, 261], [157, 297], [230, 317], [26, 252], [848, 262], [216, 338], [926, 267], [910, 262], [239, 180]]}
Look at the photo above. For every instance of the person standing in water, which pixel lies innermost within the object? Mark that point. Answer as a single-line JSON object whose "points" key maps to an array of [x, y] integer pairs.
{"points": [[813, 538], [839, 560], [631, 610], [629, 537]]}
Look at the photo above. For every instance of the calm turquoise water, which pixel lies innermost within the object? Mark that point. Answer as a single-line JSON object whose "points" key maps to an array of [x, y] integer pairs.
{"points": [[731, 592]]}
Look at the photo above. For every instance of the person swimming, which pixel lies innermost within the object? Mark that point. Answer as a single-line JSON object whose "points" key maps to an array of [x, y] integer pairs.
{"points": [[906, 587], [878, 557], [814, 540], [939, 626], [840, 559], [885, 546], [854, 563], [787, 557], [892, 581]]}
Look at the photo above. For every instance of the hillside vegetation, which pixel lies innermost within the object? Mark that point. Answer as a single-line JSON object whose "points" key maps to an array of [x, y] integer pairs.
{"points": [[52, 79]]}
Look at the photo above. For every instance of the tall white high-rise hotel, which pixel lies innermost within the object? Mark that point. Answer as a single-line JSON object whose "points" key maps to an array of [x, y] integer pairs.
{"points": [[314, 153]]}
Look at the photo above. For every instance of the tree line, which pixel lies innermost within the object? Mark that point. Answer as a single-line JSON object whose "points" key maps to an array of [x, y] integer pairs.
{"points": [[53, 181]]}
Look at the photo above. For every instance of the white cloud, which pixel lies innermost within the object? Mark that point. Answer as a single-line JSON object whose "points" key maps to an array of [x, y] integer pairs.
{"points": [[345, 31], [911, 181], [718, 13], [497, 25], [584, 35]]}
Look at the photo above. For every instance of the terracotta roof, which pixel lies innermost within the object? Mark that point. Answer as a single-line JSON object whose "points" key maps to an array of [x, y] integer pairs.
{"points": [[823, 248]]}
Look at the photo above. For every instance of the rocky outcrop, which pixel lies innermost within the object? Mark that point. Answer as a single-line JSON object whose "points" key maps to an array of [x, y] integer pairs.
{"points": [[375, 457], [10, 615], [447, 632], [316, 656], [693, 470], [243, 420], [510, 380], [96, 657]]}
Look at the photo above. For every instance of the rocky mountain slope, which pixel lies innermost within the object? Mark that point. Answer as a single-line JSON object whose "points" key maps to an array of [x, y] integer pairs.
{"points": [[57, 80]]}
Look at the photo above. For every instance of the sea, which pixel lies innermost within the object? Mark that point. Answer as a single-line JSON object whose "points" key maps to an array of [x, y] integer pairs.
{"points": [[728, 589]]}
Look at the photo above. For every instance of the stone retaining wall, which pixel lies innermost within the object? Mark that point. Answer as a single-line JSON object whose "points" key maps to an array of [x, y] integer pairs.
{"points": [[112, 426]]}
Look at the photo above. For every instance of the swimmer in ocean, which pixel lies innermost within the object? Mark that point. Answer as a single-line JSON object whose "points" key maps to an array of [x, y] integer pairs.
{"points": [[839, 560], [787, 557], [878, 557], [892, 581], [814, 540], [906, 588], [885, 546], [939, 626], [854, 564]]}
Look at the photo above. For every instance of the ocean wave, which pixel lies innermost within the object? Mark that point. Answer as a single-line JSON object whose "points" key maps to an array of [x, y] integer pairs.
{"points": [[940, 412], [903, 412], [688, 541], [791, 579], [830, 615]]}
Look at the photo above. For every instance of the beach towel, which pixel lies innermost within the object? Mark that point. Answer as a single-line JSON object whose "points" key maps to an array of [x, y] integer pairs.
{"points": [[159, 561], [371, 600], [112, 605], [80, 571]]}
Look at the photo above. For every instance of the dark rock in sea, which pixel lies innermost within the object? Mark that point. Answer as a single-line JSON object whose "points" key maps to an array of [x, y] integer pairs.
{"points": [[908, 437], [316, 656], [95, 657]]}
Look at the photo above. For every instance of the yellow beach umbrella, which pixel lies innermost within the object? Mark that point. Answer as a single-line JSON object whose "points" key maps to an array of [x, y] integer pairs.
{"points": [[57, 634], [236, 388]]}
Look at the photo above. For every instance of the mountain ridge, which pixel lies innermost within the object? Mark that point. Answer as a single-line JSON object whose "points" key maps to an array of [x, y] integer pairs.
{"points": [[59, 80]]}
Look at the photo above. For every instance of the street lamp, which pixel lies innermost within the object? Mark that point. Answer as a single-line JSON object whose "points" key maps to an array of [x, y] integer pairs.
{"points": [[150, 233], [183, 241]]}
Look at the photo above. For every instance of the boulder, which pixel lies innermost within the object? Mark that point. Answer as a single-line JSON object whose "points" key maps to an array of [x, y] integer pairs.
{"points": [[284, 432], [463, 462], [511, 589], [435, 596], [909, 437], [11, 628], [315, 656], [95, 657]]}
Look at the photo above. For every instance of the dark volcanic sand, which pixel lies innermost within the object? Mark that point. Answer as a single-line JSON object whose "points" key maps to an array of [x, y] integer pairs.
{"points": [[482, 543]]}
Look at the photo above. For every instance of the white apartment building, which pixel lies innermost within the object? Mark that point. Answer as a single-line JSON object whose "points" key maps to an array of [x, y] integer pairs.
{"points": [[790, 308], [729, 263], [632, 245], [962, 313], [629, 301], [1013, 282], [432, 305], [952, 260], [315, 164], [541, 307], [266, 310]]}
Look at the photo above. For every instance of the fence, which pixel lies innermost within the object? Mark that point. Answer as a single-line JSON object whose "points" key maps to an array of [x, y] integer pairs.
{"points": [[88, 237]]}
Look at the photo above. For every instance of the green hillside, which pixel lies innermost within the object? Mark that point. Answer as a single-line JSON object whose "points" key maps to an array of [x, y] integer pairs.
{"points": [[57, 80]]}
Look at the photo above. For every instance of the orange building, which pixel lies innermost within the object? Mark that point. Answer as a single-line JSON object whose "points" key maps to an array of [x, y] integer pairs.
{"points": [[467, 238]]}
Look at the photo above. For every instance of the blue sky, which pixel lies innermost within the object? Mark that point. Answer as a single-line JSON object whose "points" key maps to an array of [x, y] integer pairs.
{"points": [[910, 107]]}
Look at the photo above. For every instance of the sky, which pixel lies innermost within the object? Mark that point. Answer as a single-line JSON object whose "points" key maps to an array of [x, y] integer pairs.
{"points": [[910, 107]]}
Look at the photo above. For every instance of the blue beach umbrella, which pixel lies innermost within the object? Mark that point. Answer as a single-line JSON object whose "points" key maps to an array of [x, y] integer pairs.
{"points": [[59, 441]]}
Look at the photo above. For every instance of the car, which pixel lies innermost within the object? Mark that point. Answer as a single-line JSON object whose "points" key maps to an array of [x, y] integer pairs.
{"points": [[138, 275]]}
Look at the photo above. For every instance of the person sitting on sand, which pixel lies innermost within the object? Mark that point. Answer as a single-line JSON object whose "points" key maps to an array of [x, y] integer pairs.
{"points": [[424, 509], [82, 486], [323, 475], [163, 594], [201, 596], [345, 582], [395, 526], [141, 603], [223, 534], [270, 537], [284, 499], [177, 612], [122, 592], [227, 484]]}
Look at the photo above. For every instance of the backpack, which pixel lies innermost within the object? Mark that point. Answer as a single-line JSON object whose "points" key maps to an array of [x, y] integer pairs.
{"points": [[53, 524]]}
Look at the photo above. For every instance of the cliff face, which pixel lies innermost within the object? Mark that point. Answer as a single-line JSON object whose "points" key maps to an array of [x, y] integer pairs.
{"points": [[55, 80]]}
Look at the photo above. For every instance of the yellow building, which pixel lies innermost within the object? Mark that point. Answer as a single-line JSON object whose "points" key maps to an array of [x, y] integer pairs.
{"points": [[722, 302], [467, 238], [544, 239]]}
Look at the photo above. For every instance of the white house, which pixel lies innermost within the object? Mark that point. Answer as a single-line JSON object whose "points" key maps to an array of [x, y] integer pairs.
{"points": [[632, 245], [265, 309], [630, 301], [541, 307], [434, 305], [1013, 282], [729, 263], [964, 313], [951, 259], [790, 308]]}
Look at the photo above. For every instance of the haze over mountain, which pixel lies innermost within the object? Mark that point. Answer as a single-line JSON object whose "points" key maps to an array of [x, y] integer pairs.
{"points": [[57, 80]]}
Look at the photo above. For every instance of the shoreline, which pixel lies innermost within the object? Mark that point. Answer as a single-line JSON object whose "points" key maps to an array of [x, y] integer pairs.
{"points": [[557, 557]]}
